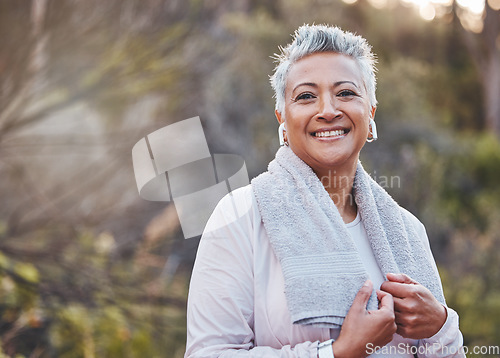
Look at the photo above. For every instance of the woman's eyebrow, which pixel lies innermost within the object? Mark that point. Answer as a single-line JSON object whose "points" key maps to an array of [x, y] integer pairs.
{"points": [[310, 84], [338, 83]]}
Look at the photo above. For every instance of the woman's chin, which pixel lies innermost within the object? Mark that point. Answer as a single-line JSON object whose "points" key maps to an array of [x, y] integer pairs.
{"points": [[332, 163]]}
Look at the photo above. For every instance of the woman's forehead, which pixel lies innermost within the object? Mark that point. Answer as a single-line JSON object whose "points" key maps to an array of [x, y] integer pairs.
{"points": [[324, 67]]}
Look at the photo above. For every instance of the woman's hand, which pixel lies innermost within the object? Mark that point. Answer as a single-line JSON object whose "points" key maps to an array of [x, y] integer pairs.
{"points": [[418, 313], [362, 327]]}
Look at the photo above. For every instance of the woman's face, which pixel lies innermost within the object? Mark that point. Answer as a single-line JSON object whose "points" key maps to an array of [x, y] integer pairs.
{"points": [[327, 111]]}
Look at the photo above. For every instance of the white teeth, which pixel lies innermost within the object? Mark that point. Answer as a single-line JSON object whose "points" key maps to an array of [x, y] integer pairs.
{"points": [[330, 133]]}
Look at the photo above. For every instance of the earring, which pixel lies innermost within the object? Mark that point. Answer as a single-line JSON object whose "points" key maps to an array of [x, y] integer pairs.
{"points": [[281, 131], [373, 131]]}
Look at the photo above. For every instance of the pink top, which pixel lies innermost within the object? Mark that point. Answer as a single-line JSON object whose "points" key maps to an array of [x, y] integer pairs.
{"points": [[237, 305]]}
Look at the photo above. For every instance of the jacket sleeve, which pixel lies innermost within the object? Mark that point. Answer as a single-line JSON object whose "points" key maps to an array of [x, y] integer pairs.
{"points": [[448, 342], [220, 312]]}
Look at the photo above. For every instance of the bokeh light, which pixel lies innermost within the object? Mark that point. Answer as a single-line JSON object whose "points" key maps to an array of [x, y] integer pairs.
{"points": [[474, 6], [494, 4], [427, 12], [430, 9]]}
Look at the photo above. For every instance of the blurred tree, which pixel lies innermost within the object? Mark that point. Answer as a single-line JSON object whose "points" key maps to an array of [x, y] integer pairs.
{"points": [[480, 32], [484, 49]]}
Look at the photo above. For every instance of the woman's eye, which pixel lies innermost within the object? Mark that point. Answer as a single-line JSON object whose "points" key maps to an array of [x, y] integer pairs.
{"points": [[346, 93], [305, 96]]}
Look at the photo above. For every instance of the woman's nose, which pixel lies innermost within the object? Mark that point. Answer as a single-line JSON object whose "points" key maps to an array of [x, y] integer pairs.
{"points": [[329, 110]]}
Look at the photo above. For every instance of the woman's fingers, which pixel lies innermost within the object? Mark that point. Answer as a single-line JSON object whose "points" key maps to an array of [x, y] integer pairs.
{"points": [[397, 289], [362, 297], [401, 278], [417, 313], [385, 300], [362, 327]]}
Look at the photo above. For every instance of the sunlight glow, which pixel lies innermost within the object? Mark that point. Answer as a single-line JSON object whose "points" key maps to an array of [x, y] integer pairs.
{"points": [[470, 12], [472, 21], [426, 2], [379, 4], [474, 6]]}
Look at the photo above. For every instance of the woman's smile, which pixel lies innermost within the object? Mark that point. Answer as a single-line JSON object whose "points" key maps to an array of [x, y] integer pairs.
{"points": [[329, 134]]}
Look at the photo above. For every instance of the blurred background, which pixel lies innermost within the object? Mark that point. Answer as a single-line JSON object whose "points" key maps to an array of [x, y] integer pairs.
{"points": [[89, 269]]}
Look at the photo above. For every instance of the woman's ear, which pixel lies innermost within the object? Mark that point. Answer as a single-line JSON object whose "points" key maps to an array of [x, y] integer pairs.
{"points": [[278, 116], [281, 130], [372, 113]]}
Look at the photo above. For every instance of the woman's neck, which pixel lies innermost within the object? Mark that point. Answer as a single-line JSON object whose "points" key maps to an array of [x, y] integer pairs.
{"points": [[338, 183]]}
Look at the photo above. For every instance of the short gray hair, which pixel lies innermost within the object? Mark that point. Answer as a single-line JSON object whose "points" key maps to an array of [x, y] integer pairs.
{"points": [[310, 39]]}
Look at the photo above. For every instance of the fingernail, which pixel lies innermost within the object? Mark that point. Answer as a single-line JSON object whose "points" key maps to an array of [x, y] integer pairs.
{"points": [[367, 283]]}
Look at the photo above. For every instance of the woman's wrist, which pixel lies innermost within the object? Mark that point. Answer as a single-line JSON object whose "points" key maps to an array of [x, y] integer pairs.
{"points": [[441, 317], [338, 350]]}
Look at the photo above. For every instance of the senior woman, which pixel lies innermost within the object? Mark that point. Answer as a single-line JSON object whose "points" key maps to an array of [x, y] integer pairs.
{"points": [[315, 259]]}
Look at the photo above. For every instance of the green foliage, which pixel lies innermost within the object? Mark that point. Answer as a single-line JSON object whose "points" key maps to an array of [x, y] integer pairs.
{"points": [[471, 195], [103, 332], [478, 306], [104, 312]]}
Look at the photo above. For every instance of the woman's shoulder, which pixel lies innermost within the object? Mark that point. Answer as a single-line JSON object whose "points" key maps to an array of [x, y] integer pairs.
{"points": [[241, 199], [235, 207], [243, 193]]}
